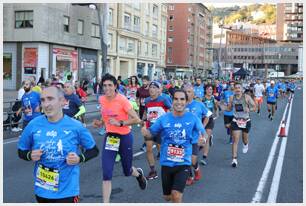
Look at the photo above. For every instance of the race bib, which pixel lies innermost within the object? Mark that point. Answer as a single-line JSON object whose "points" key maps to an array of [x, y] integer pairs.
{"points": [[241, 123], [112, 143], [175, 153], [47, 178], [271, 94]]}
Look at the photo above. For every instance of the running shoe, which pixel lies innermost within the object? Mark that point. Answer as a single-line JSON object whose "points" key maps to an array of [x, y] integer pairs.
{"points": [[234, 163], [197, 174], [189, 181], [152, 175], [230, 141], [118, 158], [203, 161], [142, 181], [245, 148], [269, 116], [15, 129], [211, 140]]}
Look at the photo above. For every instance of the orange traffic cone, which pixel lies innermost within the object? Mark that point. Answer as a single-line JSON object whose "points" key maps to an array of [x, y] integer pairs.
{"points": [[282, 132]]}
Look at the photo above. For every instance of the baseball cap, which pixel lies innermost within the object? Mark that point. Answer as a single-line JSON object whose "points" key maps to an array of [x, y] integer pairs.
{"points": [[155, 83], [272, 82]]}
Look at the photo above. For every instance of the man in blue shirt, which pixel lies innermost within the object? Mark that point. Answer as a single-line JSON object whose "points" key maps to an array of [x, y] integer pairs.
{"points": [[52, 141], [203, 113], [272, 95], [177, 129], [73, 106], [30, 103], [199, 89], [228, 115]]}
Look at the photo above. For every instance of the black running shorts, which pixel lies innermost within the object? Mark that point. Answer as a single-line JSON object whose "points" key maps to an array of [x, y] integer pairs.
{"points": [[234, 127], [174, 178], [210, 124], [228, 119]]}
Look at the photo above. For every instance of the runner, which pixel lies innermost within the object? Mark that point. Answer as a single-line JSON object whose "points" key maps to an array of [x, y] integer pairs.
{"points": [[212, 105], [259, 89], [198, 109], [52, 141], [117, 115], [242, 104], [30, 103], [177, 129], [228, 114], [73, 106], [272, 95], [141, 94], [199, 89], [155, 106]]}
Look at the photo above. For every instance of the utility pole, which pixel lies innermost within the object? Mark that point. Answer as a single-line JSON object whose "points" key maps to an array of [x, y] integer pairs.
{"points": [[219, 54], [102, 9]]}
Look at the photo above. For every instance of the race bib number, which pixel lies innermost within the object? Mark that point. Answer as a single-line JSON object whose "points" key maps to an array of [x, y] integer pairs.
{"points": [[112, 143], [241, 123], [175, 153], [47, 178]]}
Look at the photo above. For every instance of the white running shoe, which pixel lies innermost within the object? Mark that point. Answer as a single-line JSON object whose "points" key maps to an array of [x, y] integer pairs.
{"points": [[245, 148], [15, 129], [234, 163]]}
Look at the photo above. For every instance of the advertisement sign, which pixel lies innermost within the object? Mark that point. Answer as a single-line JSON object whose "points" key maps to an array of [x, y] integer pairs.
{"points": [[30, 57], [67, 55]]}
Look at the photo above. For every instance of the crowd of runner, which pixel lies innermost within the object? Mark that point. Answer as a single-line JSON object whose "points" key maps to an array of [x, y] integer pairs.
{"points": [[178, 116]]}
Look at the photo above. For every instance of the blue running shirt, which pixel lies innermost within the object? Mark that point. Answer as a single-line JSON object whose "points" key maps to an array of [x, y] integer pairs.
{"points": [[56, 140], [271, 94], [226, 95], [32, 100], [176, 137]]}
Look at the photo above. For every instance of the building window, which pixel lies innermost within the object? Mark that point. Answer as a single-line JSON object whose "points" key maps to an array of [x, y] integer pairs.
{"points": [[122, 45], [110, 40], [169, 60], [80, 27], [147, 28], [95, 31], [127, 21], [136, 6], [136, 24], [130, 46], [171, 17], [24, 19], [170, 39], [147, 49], [154, 30], [7, 66], [110, 16], [66, 23], [148, 9], [155, 11], [171, 28], [169, 52], [171, 7], [154, 50]]}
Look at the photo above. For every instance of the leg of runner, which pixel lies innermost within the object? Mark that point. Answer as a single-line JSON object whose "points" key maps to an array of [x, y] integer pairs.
{"points": [[245, 140], [273, 111], [269, 110], [151, 161], [206, 147], [236, 136]]}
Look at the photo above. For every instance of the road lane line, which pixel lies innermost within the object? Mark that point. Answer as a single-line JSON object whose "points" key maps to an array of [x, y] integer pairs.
{"points": [[264, 177], [279, 165], [140, 153]]}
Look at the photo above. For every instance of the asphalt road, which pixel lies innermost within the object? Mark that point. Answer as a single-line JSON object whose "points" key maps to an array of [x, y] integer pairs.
{"points": [[220, 182]]}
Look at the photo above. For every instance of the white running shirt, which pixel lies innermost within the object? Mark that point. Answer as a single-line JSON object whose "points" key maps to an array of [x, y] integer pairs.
{"points": [[258, 90]]}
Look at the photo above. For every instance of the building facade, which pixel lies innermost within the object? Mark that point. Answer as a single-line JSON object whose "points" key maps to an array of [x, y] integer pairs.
{"points": [[289, 22], [62, 38], [283, 57], [189, 40]]}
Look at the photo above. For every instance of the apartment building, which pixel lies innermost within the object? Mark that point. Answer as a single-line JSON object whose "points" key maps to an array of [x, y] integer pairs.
{"points": [[289, 22], [278, 56], [137, 40], [189, 34], [61, 38]]}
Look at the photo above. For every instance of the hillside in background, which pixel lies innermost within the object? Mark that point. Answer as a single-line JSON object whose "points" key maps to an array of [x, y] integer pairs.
{"points": [[244, 14]]}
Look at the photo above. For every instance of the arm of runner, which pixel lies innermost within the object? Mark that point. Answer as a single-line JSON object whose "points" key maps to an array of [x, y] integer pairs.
{"points": [[82, 110], [230, 104], [97, 123], [251, 103]]}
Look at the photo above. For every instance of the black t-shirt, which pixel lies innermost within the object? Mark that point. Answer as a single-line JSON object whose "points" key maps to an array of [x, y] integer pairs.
{"points": [[72, 104]]}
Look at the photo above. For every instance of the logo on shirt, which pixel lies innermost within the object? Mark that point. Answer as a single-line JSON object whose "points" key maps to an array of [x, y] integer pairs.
{"points": [[66, 132], [167, 125], [51, 133], [188, 123], [178, 125], [60, 147]]}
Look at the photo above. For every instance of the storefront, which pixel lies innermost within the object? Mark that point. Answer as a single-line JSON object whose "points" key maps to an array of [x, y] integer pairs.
{"points": [[65, 61], [88, 68], [141, 68]]}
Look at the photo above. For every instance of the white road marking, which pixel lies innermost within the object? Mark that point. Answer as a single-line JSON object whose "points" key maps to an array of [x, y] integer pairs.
{"points": [[140, 153], [279, 164], [264, 177]]}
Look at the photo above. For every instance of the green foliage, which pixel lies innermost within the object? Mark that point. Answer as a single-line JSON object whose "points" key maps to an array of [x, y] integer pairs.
{"points": [[243, 14]]}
